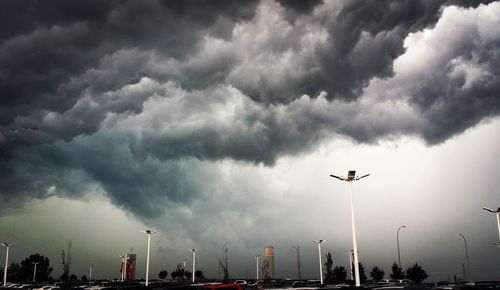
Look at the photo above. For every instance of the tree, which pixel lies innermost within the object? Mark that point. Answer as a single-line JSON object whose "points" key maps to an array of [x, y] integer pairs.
{"points": [[329, 269], [84, 278], [377, 274], [225, 267], [416, 273], [199, 275], [362, 275], [66, 263], [339, 274], [180, 274], [163, 274], [397, 272], [43, 268]]}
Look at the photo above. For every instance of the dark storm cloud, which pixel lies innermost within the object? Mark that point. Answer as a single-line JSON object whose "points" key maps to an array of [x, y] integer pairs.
{"points": [[213, 80]]}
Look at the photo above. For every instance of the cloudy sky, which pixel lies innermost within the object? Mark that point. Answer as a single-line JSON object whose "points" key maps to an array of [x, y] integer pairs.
{"points": [[218, 121]]}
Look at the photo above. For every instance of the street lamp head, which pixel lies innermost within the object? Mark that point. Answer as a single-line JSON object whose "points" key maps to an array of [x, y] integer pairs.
{"points": [[7, 244], [491, 210], [351, 175], [149, 232], [319, 241], [194, 250]]}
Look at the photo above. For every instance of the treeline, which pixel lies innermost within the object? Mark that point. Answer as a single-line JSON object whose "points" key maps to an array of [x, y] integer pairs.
{"points": [[338, 274]]}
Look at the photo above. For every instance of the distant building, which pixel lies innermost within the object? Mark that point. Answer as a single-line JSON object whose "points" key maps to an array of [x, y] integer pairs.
{"points": [[269, 260]]}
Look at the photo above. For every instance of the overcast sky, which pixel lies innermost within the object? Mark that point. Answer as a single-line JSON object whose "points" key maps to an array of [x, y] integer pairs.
{"points": [[218, 121]]}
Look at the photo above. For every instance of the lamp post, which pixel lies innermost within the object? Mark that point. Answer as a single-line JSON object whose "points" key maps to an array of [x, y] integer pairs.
{"points": [[90, 273], [497, 213], [194, 262], [297, 250], [34, 271], [124, 267], [257, 265], [149, 233], [351, 176], [319, 242], [466, 256], [397, 239], [349, 252], [7, 246]]}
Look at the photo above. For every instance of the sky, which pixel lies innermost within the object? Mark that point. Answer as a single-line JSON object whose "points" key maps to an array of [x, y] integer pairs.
{"points": [[216, 121]]}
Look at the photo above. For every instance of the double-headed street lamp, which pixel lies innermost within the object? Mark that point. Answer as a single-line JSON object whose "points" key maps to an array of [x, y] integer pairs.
{"points": [[351, 176], [466, 256], [497, 213], [124, 267], [194, 262], [257, 265], [6, 245], [397, 239], [149, 233], [319, 242]]}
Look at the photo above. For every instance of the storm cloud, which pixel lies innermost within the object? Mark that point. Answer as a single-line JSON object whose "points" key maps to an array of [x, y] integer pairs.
{"points": [[134, 97]]}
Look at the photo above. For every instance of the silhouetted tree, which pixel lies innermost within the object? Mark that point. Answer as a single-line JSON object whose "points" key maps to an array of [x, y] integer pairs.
{"points": [[362, 274], [180, 274], [377, 274], [84, 278], [339, 274], [199, 275], [225, 267], [13, 273], [43, 269], [163, 274], [66, 263], [416, 273], [397, 272], [329, 269]]}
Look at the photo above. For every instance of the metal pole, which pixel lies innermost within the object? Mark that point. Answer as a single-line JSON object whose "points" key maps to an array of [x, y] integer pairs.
{"points": [[399, 253], [147, 259], [34, 271], [6, 266], [320, 264], [466, 256], [354, 243], [194, 264], [498, 224], [257, 265], [125, 268], [349, 252], [90, 273]]}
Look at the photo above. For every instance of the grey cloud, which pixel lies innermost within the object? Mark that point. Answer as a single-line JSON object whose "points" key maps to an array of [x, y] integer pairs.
{"points": [[179, 83]]}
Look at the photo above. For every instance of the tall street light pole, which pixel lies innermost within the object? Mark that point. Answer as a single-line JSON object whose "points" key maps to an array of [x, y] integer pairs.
{"points": [[397, 239], [6, 245], [497, 213], [194, 262], [34, 271], [90, 273], [297, 250], [466, 256], [319, 242], [149, 233], [257, 265], [351, 176]]}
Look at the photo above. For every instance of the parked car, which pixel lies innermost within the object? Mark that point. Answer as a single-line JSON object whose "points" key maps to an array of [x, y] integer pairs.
{"points": [[222, 287]]}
